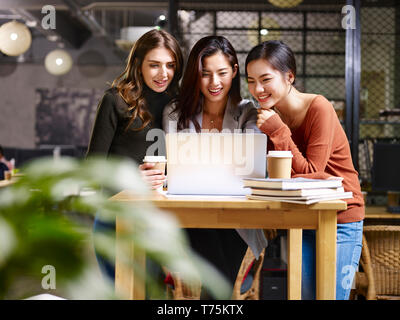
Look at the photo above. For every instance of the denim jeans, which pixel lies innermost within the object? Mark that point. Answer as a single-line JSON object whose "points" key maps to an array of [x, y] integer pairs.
{"points": [[107, 268], [348, 251]]}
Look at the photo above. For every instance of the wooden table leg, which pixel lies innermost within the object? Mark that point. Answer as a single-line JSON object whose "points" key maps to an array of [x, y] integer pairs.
{"points": [[294, 243], [128, 285], [326, 255]]}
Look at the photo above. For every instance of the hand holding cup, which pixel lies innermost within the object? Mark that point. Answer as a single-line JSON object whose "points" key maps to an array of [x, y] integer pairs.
{"points": [[153, 171]]}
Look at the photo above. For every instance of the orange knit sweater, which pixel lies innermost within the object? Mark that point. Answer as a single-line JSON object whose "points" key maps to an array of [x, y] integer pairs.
{"points": [[320, 149]]}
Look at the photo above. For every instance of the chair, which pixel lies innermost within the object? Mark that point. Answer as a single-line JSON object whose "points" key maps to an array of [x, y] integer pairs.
{"points": [[182, 291], [380, 261], [253, 293]]}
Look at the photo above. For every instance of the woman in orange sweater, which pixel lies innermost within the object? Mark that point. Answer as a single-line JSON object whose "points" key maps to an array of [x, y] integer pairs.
{"points": [[307, 125]]}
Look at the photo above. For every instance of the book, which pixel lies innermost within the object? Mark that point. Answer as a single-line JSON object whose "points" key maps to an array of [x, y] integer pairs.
{"points": [[298, 192], [303, 200], [292, 184]]}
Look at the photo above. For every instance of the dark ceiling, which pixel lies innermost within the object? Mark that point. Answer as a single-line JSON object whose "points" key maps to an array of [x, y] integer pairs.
{"points": [[78, 20]]}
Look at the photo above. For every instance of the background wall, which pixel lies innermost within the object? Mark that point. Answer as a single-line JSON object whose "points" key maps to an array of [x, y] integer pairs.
{"points": [[95, 65]]}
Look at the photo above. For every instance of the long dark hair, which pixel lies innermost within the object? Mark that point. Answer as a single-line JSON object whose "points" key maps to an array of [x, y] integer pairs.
{"points": [[190, 101], [277, 53], [130, 83]]}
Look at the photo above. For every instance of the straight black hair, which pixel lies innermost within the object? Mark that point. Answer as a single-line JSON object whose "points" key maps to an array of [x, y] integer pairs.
{"points": [[277, 53], [190, 100]]}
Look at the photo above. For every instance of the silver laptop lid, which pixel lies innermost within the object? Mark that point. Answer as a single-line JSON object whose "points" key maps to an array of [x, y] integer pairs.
{"points": [[214, 163]]}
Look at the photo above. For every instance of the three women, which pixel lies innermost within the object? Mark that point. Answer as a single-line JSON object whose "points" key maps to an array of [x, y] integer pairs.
{"points": [[305, 124]]}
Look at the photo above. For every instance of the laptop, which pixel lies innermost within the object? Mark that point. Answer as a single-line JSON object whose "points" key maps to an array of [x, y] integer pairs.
{"points": [[214, 163]]}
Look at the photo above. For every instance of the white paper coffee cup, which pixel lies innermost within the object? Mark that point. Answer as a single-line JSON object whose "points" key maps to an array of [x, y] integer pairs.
{"points": [[159, 164], [279, 164]]}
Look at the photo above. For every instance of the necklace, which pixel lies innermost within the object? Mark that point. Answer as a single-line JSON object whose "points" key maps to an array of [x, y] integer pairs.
{"points": [[214, 123]]}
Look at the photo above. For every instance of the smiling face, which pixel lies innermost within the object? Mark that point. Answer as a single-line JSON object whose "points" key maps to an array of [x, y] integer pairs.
{"points": [[267, 84], [158, 69], [216, 77]]}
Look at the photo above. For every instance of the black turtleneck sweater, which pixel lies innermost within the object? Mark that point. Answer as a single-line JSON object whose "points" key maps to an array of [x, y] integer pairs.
{"points": [[109, 134]]}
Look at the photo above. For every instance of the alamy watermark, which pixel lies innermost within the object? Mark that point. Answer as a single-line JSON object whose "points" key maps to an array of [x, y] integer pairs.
{"points": [[347, 281], [228, 147], [349, 20], [49, 20], [49, 280]]}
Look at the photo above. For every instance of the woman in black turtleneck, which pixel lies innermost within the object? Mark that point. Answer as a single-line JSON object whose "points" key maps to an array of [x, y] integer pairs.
{"points": [[134, 105], [114, 132], [135, 102]]}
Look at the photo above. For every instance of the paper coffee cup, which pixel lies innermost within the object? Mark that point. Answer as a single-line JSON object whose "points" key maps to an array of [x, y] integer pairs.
{"points": [[159, 164], [7, 175], [279, 164]]}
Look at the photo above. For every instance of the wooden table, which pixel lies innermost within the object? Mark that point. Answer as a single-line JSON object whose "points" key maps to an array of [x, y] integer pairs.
{"points": [[378, 215], [6, 183], [234, 212], [379, 212]]}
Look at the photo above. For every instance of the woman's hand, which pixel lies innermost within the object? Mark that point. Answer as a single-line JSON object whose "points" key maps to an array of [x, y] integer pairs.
{"points": [[154, 178], [264, 115]]}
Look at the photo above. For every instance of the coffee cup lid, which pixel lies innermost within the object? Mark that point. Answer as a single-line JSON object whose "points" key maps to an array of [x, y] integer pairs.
{"points": [[154, 159], [280, 154]]}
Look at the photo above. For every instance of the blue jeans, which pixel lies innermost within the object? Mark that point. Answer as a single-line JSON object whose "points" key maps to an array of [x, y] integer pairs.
{"points": [[107, 268], [348, 251]]}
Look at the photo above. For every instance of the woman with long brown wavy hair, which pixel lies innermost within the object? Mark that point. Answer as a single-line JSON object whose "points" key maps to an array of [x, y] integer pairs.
{"points": [[134, 105]]}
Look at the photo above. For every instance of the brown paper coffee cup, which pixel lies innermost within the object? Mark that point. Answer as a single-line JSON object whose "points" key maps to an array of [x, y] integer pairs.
{"points": [[159, 164], [279, 164], [7, 175]]}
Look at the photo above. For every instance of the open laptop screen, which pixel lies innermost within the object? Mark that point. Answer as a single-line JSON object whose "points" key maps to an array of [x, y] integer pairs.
{"points": [[214, 163]]}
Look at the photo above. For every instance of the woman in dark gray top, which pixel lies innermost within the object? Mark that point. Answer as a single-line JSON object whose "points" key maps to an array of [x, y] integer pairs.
{"points": [[134, 105]]}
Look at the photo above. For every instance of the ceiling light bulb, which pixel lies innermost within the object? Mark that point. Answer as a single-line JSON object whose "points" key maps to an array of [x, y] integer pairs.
{"points": [[15, 38], [58, 62], [285, 3]]}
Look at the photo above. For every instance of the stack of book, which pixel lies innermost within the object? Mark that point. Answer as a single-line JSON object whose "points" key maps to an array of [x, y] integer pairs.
{"points": [[296, 190]]}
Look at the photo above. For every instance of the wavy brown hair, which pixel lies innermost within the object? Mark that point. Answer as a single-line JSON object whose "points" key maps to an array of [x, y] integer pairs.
{"points": [[190, 100], [130, 84]]}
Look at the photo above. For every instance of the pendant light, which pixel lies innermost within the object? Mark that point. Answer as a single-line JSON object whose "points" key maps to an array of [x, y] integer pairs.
{"points": [[58, 62], [285, 3], [15, 38]]}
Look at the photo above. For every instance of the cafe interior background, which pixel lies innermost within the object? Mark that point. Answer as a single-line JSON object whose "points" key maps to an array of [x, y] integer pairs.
{"points": [[348, 51]]}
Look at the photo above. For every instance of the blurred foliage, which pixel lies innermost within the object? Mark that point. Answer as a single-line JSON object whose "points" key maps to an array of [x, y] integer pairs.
{"points": [[46, 218]]}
